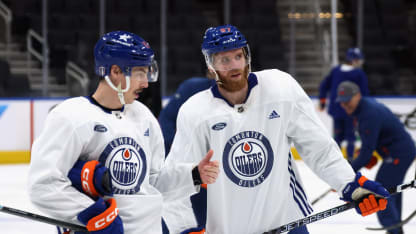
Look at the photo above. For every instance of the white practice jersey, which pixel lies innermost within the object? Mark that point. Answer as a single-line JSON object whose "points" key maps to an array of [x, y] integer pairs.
{"points": [[129, 142], [258, 188]]}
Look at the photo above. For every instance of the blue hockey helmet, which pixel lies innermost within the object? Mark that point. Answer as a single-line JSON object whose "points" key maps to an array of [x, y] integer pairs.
{"points": [[223, 38], [126, 50], [353, 54]]}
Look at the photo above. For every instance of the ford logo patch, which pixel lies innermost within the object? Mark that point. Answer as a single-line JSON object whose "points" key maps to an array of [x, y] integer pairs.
{"points": [[100, 128], [219, 126]]}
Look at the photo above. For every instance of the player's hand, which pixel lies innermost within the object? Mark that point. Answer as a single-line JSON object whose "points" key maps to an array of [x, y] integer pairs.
{"points": [[322, 102], [369, 196], [91, 178], [102, 217], [208, 170]]}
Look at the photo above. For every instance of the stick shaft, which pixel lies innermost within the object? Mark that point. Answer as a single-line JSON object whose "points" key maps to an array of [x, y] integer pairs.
{"points": [[43, 219], [394, 226], [334, 211], [313, 218]]}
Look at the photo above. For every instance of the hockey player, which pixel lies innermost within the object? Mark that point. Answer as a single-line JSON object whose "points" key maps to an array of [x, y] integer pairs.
{"points": [[348, 71], [167, 120], [251, 119], [109, 132], [382, 131]]}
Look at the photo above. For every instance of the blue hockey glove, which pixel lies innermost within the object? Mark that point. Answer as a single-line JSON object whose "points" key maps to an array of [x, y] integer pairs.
{"points": [[102, 217], [197, 230], [91, 178], [369, 196]]}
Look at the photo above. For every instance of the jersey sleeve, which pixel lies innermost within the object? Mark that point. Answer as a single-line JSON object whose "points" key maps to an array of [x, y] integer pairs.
{"points": [[314, 144], [174, 179], [53, 154], [187, 147], [369, 129], [190, 144]]}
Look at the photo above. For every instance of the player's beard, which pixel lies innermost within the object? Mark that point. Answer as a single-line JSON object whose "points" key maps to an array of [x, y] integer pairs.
{"points": [[232, 85]]}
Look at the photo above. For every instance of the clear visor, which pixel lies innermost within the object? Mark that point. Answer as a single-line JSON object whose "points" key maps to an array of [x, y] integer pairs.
{"points": [[235, 59], [153, 73], [149, 74]]}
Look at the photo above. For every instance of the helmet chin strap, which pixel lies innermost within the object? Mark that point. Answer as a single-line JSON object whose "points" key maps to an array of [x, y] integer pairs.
{"points": [[217, 78], [118, 89], [120, 94]]}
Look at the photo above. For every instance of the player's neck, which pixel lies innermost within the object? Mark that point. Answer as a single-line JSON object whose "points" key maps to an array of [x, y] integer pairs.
{"points": [[107, 97], [234, 97]]}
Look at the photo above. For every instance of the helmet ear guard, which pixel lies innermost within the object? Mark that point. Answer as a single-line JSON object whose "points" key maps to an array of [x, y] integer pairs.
{"points": [[101, 71]]}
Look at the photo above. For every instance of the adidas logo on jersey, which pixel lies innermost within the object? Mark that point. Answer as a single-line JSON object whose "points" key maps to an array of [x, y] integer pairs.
{"points": [[146, 133], [274, 115]]}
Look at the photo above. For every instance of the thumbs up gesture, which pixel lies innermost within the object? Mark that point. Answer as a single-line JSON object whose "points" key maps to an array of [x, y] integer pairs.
{"points": [[208, 170]]}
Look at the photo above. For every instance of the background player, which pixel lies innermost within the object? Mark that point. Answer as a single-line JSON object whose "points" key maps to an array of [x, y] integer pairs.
{"points": [[122, 135], [167, 120], [169, 113], [348, 71], [382, 131], [251, 120]]}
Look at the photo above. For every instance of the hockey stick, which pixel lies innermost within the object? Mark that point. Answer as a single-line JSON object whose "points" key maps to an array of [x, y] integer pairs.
{"points": [[322, 196], [333, 211], [43, 219], [394, 226], [397, 225]]}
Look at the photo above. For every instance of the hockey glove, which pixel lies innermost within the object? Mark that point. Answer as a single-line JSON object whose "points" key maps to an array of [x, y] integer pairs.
{"points": [[369, 196], [198, 230], [91, 178], [322, 102], [102, 217]]}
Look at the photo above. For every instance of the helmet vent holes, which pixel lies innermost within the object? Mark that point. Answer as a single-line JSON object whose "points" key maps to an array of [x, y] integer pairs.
{"points": [[110, 43]]}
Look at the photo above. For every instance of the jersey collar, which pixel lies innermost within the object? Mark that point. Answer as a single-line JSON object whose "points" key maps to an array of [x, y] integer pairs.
{"points": [[252, 82], [105, 109]]}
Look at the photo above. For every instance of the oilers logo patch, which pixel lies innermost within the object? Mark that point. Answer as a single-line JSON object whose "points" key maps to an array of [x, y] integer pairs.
{"points": [[126, 162], [248, 158]]}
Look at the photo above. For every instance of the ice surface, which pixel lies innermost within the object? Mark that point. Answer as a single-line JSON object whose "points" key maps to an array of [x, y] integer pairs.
{"points": [[13, 193]]}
